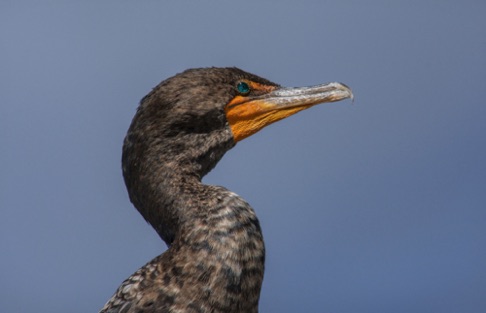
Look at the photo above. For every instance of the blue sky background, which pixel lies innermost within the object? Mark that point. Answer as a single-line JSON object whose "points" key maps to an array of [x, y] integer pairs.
{"points": [[376, 206]]}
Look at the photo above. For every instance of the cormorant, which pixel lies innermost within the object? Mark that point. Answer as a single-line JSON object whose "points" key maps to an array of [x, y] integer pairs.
{"points": [[182, 128]]}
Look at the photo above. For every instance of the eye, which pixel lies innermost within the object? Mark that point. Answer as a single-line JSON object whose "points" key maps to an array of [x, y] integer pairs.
{"points": [[243, 88]]}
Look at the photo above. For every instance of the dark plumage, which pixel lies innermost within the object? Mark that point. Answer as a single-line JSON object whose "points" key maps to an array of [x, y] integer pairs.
{"points": [[182, 128]]}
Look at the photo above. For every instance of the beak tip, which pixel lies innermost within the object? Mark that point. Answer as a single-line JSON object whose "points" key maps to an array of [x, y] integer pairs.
{"points": [[348, 92]]}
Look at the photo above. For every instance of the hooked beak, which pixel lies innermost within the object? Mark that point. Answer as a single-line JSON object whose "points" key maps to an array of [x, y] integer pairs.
{"points": [[246, 114]]}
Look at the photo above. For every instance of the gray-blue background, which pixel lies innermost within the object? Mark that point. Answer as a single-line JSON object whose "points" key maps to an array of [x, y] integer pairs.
{"points": [[376, 206]]}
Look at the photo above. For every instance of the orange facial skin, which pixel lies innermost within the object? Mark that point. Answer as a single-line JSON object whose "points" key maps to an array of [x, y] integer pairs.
{"points": [[266, 104]]}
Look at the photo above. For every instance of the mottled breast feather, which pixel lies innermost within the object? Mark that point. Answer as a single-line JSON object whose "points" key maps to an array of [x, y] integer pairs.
{"points": [[216, 266]]}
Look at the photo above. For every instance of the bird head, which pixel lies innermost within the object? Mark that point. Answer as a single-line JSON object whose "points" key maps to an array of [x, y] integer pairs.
{"points": [[198, 102]]}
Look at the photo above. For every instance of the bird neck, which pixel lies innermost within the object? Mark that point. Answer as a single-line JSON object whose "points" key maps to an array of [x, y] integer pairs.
{"points": [[181, 208], [209, 229], [163, 172]]}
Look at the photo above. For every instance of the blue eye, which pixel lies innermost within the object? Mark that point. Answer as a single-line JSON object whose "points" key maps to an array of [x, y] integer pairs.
{"points": [[243, 88]]}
